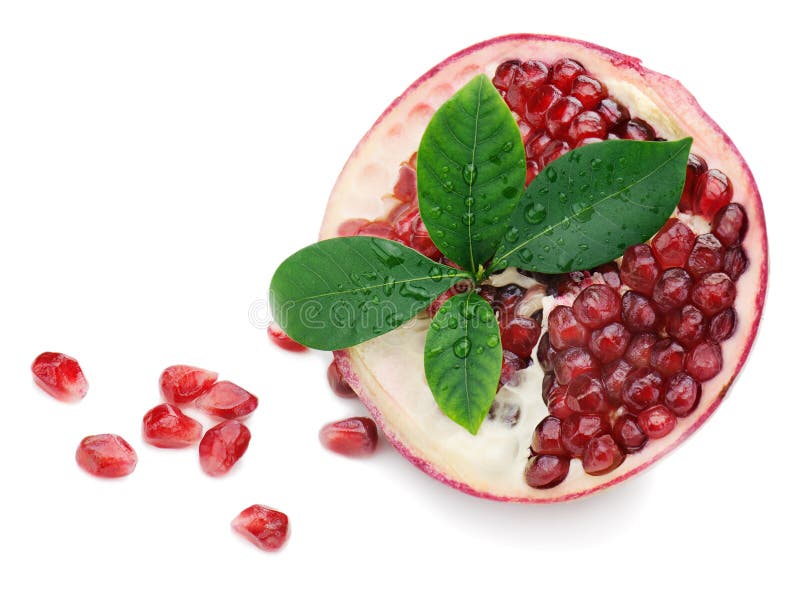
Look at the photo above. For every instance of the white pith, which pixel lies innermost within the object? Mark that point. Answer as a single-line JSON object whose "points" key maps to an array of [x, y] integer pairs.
{"points": [[390, 368]]}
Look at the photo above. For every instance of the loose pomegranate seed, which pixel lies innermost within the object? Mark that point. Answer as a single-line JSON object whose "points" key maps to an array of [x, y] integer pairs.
{"points": [[639, 269], [536, 109], [565, 330], [572, 362], [586, 125], [279, 338], [357, 436], [589, 91], [730, 224], [181, 383], [227, 400], [704, 361], [657, 421], [735, 262], [60, 376], [613, 112], [337, 382], [640, 348], [695, 167], [505, 74], [577, 430], [555, 149], [263, 526], [222, 446], [106, 455], [667, 357], [557, 402], [722, 325], [712, 192], [682, 394], [564, 72], [546, 353], [351, 227], [520, 335], [547, 437], [635, 129], [586, 394], [705, 257], [602, 455], [614, 375], [628, 434], [405, 189], [165, 426], [713, 293], [686, 324], [672, 244], [545, 471], [642, 389], [511, 365], [610, 342], [561, 114], [672, 289], [380, 229], [638, 313], [597, 305]]}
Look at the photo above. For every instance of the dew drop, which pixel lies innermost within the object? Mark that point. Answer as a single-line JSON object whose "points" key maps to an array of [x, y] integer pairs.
{"points": [[409, 290], [468, 218], [445, 169], [512, 235], [507, 147], [492, 341], [436, 211], [535, 213], [470, 173], [596, 163], [583, 246], [436, 351], [485, 313], [526, 255], [551, 175], [389, 283], [435, 273], [448, 186], [452, 323], [462, 347], [469, 201], [562, 197]]}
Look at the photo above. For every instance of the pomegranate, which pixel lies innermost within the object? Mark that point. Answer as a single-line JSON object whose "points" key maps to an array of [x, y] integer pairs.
{"points": [[264, 527], [106, 455], [227, 400], [630, 358], [357, 436], [60, 376], [222, 446], [165, 426], [181, 383]]}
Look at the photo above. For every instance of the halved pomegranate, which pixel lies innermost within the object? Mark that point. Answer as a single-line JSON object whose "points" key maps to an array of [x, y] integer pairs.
{"points": [[640, 352]]}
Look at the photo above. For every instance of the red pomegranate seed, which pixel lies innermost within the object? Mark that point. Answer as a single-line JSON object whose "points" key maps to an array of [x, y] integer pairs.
{"points": [[734, 262], [610, 273], [506, 299], [545, 471], [686, 324], [638, 313], [505, 74], [351, 227], [403, 222], [165, 426], [337, 382], [705, 257], [642, 389], [577, 430], [561, 114], [537, 106], [564, 72], [640, 348], [379, 229], [547, 437], [106, 455], [60, 376], [546, 353], [222, 446], [704, 361], [614, 375], [357, 436], [531, 170], [639, 269], [602, 455], [730, 224], [682, 393], [672, 289], [628, 434], [589, 91], [613, 112], [263, 526], [586, 125], [635, 129], [511, 365], [530, 76], [444, 297], [713, 293], [227, 400], [695, 167], [405, 189], [279, 338], [586, 394], [181, 383], [609, 342], [557, 402], [722, 325], [548, 383], [657, 421], [421, 241], [597, 305], [555, 149], [672, 244], [667, 357], [565, 330], [572, 362], [572, 283], [712, 192], [520, 335], [537, 144]]}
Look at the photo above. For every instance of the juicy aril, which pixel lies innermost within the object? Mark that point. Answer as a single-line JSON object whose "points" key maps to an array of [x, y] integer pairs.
{"points": [[628, 360]]}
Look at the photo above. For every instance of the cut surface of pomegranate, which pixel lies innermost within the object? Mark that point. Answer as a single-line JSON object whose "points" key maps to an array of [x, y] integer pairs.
{"points": [[106, 455], [60, 376], [632, 356], [357, 436], [262, 526], [181, 383], [227, 400]]}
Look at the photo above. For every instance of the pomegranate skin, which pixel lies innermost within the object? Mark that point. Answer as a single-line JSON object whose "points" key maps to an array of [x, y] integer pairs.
{"points": [[354, 196]]}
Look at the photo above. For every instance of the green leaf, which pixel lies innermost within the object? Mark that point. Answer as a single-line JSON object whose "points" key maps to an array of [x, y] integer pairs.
{"points": [[463, 358], [340, 292], [470, 173], [586, 207]]}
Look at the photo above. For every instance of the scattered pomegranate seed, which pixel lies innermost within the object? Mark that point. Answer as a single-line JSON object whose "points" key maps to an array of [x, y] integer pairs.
{"points": [[227, 400], [545, 471], [561, 114], [222, 446], [106, 455], [672, 244], [730, 224], [614, 375], [657, 421], [609, 342], [586, 394], [165, 426], [704, 361], [638, 313], [735, 262], [686, 324], [640, 349], [577, 430], [181, 383], [564, 329], [337, 382], [279, 337], [713, 293], [597, 305], [602, 455], [263, 526], [643, 388], [712, 192], [639, 269], [564, 72], [628, 434], [672, 289], [357, 436], [682, 394], [695, 167], [667, 357], [722, 325], [547, 437], [572, 362], [60, 376]]}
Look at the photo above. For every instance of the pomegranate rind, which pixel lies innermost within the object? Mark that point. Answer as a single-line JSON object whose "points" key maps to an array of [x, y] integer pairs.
{"points": [[362, 191]]}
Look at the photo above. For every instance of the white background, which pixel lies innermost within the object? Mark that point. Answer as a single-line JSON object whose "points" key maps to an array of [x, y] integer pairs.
{"points": [[158, 159]]}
